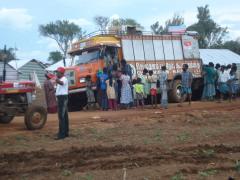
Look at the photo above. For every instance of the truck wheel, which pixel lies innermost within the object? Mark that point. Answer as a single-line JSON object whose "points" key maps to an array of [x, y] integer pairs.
{"points": [[6, 119], [35, 117], [175, 93]]}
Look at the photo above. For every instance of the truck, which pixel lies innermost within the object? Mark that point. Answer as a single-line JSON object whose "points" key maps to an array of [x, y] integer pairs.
{"points": [[140, 50]]}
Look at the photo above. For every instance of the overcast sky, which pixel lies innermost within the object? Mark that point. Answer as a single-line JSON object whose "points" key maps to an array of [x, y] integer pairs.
{"points": [[19, 19]]}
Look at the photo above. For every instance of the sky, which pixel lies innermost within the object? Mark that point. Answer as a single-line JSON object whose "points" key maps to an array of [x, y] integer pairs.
{"points": [[19, 20]]}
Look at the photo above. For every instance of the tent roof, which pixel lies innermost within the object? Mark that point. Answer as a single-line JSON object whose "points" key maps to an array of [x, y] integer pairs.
{"points": [[54, 67], [221, 56]]}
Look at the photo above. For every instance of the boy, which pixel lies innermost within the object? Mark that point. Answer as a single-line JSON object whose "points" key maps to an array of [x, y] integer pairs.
{"points": [[153, 88], [139, 89]]}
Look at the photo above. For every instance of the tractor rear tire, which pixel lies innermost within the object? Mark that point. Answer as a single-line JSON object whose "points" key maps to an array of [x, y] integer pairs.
{"points": [[6, 119], [35, 117], [175, 92]]}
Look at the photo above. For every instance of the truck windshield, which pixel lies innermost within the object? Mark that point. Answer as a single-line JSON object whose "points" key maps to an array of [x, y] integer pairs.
{"points": [[87, 57]]}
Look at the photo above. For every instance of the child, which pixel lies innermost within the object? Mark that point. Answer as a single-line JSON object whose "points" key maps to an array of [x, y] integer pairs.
{"points": [[139, 89], [134, 92], [111, 93], [153, 88], [163, 79], [89, 93], [103, 88]]}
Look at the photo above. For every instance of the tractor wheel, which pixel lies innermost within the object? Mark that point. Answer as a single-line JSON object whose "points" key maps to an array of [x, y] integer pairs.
{"points": [[175, 93], [35, 117], [6, 119]]}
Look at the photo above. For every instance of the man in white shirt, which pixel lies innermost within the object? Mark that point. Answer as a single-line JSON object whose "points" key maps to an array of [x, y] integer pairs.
{"points": [[62, 100]]}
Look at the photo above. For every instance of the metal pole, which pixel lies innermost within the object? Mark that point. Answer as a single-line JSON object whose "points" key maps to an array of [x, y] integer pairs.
{"points": [[4, 63]]}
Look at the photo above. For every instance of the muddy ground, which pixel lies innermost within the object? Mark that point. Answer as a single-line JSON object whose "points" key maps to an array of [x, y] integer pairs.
{"points": [[197, 142]]}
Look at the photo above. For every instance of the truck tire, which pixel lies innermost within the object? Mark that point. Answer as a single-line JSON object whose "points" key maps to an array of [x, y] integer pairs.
{"points": [[175, 93], [35, 117], [6, 119]]}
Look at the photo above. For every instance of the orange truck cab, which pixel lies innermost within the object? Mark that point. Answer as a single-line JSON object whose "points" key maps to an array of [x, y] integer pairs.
{"points": [[141, 50]]}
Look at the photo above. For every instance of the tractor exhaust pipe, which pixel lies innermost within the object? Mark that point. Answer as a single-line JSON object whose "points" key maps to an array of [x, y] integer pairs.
{"points": [[4, 63]]}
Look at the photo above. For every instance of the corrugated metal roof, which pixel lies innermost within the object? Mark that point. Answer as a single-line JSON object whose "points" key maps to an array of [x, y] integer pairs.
{"points": [[221, 56], [17, 64], [59, 64]]}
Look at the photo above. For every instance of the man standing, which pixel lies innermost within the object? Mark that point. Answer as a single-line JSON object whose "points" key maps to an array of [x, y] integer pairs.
{"points": [[50, 94], [186, 85], [62, 100]]}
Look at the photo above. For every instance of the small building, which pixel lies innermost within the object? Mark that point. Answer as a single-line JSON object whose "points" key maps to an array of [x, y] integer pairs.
{"points": [[28, 68], [11, 73]]}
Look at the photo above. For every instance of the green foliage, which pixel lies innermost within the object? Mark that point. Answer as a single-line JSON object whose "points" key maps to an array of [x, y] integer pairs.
{"points": [[208, 172], [237, 166], [174, 21], [119, 23], [66, 173], [183, 137], [63, 32], [9, 54], [231, 45], [55, 56], [210, 33], [86, 177], [178, 176], [101, 22]]}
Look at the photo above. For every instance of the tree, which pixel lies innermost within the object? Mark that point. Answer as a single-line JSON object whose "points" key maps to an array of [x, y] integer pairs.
{"points": [[55, 56], [210, 33], [175, 21], [9, 54], [63, 32], [231, 45], [120, 23], [101, 22]]}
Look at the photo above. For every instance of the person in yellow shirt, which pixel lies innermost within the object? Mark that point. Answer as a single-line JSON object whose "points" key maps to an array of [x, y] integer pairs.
{"points": [[139, 90]]}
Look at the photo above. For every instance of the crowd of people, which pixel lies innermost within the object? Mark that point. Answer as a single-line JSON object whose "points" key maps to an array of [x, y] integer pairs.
{"points": [[220, 82], [117, 89]]}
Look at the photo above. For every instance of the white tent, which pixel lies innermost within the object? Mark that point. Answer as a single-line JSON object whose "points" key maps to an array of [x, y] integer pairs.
{"points": [[221, 56], [54, 67]]}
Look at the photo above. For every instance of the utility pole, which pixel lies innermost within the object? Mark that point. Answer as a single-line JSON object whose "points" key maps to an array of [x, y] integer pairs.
{"points": [[4, 62]]}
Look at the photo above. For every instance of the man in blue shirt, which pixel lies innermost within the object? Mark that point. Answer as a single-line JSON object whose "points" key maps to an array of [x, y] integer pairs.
{"points": [[186, 90], [103, 88]]}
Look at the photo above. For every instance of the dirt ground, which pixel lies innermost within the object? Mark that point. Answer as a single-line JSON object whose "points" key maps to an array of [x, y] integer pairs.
{"points": [[197, 142]]}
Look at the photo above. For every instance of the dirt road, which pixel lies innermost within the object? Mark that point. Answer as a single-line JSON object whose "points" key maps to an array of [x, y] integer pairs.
{"points": [[197, 142]]}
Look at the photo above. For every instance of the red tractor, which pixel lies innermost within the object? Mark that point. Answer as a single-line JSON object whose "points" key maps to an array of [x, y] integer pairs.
{"points": [[16, 98]]}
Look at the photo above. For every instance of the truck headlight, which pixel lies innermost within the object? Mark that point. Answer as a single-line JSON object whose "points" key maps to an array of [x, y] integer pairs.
{"points": [[82, 80]]}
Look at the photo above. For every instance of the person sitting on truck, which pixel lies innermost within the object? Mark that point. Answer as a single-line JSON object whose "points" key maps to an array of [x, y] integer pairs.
{"points": [[89, 92], [163, 81], [152, 80], [103, 88], [186, 82]]}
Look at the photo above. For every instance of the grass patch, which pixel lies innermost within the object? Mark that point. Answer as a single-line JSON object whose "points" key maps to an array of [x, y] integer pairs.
{"points": [[86, 177], [157, 135], [206, 173], [183, 137], [178, 176], [237, 166], [206, 153], [20, 138], [66, 173]]}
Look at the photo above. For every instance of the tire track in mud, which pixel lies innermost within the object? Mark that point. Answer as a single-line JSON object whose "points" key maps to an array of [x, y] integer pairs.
{"points": [[107, 158]]}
